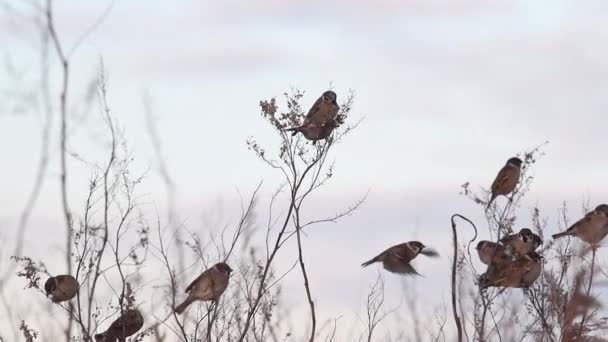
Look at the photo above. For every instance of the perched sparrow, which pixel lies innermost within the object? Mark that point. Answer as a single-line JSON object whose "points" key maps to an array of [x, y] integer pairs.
{"points": [[208, 286], [507, 179], [592, 228], [523, 242], [493, 253], [519, 273], [61, 288], [397, 258], [320, 120], [124, 326]]}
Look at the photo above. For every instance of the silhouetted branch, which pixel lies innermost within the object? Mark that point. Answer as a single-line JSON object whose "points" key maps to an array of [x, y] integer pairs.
{"points": [[454, 261]]}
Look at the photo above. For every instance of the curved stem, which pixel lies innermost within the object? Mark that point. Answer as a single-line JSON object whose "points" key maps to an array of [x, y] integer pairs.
{"points": [[63, 144], [454, 261]]}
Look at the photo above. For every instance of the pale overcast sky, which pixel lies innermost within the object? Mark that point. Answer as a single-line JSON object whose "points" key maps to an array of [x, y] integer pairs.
{"points": [[449, 89]]}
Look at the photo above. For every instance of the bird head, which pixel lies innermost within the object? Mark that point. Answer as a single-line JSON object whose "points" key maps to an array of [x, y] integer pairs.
{"points": [[481, 244], [602, 208], [50, 285], [329, 96], [515, 161], [224, 268], [419, 247], [525, 232]]}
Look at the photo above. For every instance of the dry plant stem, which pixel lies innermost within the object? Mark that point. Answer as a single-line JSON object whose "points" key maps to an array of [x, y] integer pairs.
{"points": [[106, 196], [588, 291], [297, 183], [541, 314], [454, 261], [373, 304], [487, 303], [63, 145], [165, 258], [311, 303], [81, 259]]}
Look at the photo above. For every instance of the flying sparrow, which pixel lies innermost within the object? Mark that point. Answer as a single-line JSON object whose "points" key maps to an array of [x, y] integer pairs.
{"points": [[522, 272], [397, 258], [320, 120], [523, 242], [592, 228], [493, 253], [208, 286], [507, 179], [61, 288], [126, 325]]}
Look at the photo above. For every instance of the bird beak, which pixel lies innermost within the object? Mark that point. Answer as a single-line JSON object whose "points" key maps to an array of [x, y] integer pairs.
{"points": [[429, 252]]}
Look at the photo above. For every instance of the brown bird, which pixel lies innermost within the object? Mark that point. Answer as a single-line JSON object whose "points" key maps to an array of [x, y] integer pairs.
{"points": [[519, 273], [321, 118], [124, 326], [397, 258], [61, 288], [506, 180], [523, 242], [493, 253], [208, 286], [592, 228]]}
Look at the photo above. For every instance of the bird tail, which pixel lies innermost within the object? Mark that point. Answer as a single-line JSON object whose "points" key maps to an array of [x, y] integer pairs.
{"points": [[484, 281], [295, 130], [562, 234], [369, 262], [180, 308], [490, 201], [103, 338]]}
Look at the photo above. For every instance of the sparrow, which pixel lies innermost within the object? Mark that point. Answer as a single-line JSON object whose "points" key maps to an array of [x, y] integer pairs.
{"points": [[507, 179], [61, 288], [320, 120], [523, 242], [592, 228], [493, 253], [522, 272], [397, 258], [124, 326], [208, 286]]}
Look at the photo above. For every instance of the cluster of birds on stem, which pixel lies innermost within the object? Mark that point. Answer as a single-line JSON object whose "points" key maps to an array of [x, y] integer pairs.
{"points": [[512, 261]]}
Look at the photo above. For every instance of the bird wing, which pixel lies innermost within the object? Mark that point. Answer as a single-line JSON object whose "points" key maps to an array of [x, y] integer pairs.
{"points": [[130, 325], [589, 217], [321, 113], [511, 275], [505, 179], [314, 109], [403, 252], [399, 266], [219, 285], [203, 279]]}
